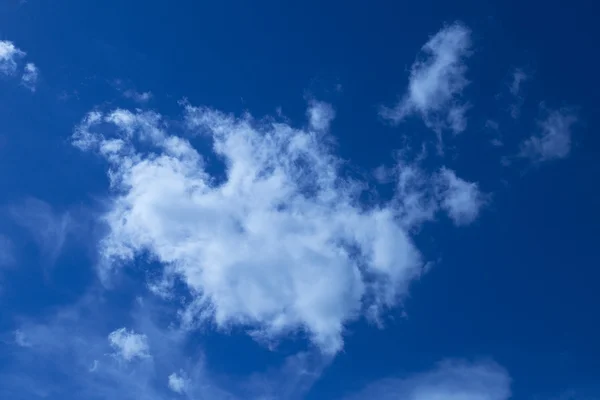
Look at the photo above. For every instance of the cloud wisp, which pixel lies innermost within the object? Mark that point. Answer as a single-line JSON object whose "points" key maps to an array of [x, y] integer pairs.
{"points": [[436, 82], [30, 76], [553, 140], [10, 60], [450, 380], [9, 56]]}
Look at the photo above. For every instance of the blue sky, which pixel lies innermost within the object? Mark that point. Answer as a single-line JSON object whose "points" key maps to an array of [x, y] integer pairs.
{"points": [[318, 200]]}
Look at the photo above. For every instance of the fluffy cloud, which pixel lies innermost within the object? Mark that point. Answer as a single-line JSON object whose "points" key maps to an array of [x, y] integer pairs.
{"points": [[277, 242], [553, 139], [451, 380], [436, 82], [129, 345], [462, 200], [320, 115], [30, 76], [176, 383], [9, 54]]}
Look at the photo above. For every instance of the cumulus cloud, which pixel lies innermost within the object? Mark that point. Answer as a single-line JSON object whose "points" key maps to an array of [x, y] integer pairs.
{"points": [[176, 383], [320, 115], [129, 345], [553, 139], [462, 200], [436, 82], [138, 97], [450, 380], [279, 244], [9, 55], [30, 76]]}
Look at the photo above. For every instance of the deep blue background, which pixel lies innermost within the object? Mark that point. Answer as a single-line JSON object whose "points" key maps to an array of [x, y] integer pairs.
{"points": [[520, 286]]}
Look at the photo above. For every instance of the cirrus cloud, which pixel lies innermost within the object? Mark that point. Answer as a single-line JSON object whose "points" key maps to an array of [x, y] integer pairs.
{"points": [[436, 82]]}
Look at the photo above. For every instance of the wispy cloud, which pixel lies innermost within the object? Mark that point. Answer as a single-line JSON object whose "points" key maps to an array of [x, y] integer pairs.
{"points": [[138, 97], [450, 380], [553, 139], [518, 78], [436, 82], [73, 345], [48, 228], [128, 344], [30, 76], [9, 55], [320, 115], [462, 200], [516, 90]]}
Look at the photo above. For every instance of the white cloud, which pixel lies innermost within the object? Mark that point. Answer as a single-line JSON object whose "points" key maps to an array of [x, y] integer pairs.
{"points": [[553, 139], [279, 244], [462, 200], [129, 345], [518, 77], [422, 195], [450, 380], [138, 97], [436, 82], [9, 54], [320, 115], [516, 87], [30, 76], [177, 383]]}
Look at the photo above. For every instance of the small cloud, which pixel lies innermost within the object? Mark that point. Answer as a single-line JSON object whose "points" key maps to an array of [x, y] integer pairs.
{"points": [[436, 82], [518, 77], [553, 139], [516, 87], [450, 380], [30, 76], [9, 54], [138, 97], [177, 383], [21, 339], [493, 127], [94, 366], [320, 115], [462, 200], [129, 345]]}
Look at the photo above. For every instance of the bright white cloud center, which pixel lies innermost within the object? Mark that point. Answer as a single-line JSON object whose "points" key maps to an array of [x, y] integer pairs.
{"points": [[277, 242]]}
